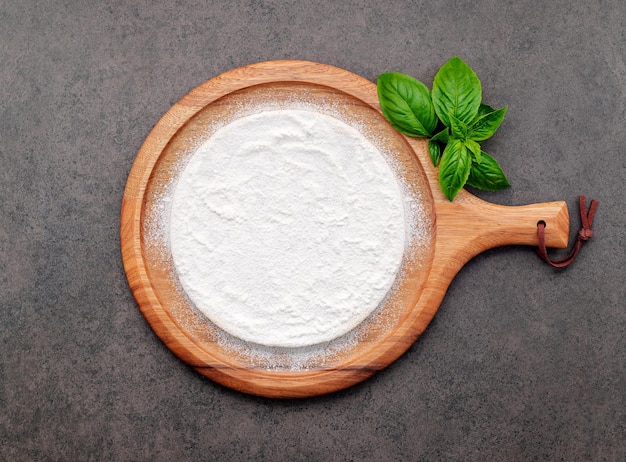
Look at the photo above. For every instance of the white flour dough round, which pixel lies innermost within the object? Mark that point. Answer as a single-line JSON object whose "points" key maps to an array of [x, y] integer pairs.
{"points": [[287, 228]]}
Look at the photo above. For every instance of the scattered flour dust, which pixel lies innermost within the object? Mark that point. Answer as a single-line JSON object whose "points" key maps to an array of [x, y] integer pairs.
{"points": [[287, 228]]}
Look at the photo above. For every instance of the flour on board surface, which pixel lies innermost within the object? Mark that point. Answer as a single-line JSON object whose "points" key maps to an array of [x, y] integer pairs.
{"points": [[287, 228]]}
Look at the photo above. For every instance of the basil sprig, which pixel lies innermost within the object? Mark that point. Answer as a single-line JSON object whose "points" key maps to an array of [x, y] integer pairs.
{"points": [[454, 119]]}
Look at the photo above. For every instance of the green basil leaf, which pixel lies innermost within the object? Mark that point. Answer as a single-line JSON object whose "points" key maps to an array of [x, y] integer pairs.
{"points": [[487, 174], [454, 168], [434, 149], [459, 129], [474, 148], [484, 126], [443, 136], [484, 109], [456, 92], [406, 103]]}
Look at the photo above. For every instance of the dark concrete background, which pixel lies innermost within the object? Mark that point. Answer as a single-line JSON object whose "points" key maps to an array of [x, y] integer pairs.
{"points": [[522, 362]]}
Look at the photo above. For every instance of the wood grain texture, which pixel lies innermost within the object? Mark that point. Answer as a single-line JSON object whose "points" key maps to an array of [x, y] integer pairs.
{"points": [[456, 232]]}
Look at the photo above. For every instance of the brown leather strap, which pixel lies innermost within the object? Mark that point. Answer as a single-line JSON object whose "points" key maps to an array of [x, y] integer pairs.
{"points": [[584, 234]]}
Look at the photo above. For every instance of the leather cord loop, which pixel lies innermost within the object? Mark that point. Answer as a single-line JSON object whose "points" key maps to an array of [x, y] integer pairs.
{"points": [[585, 233]]}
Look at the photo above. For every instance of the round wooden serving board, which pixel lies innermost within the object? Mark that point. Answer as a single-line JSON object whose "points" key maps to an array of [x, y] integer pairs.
{"points": [[450, 234]]}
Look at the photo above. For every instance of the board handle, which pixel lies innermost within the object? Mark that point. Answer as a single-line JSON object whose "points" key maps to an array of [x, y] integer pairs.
{"points": [[471, 226]]}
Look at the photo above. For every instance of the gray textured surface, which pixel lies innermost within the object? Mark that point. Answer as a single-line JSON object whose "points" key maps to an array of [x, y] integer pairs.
{"points": [[520, 363]]}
